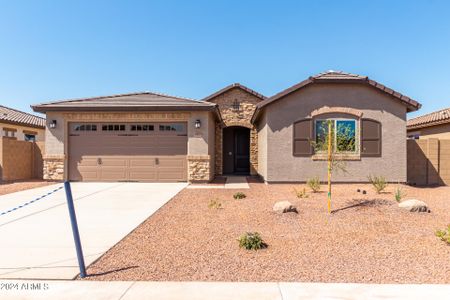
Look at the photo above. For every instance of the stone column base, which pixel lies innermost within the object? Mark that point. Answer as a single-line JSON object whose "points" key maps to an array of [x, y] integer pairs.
{"points": [[53, 167], [199, 168]]}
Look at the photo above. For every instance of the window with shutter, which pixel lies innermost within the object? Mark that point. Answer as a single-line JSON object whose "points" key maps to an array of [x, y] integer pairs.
{"points": [[370, 138], [302, 138]]}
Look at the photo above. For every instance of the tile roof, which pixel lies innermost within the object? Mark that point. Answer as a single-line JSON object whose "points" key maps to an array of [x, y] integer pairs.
{"points": [[132, 101], [438, 117], [235, 85], [340, 77], [14, 116]]}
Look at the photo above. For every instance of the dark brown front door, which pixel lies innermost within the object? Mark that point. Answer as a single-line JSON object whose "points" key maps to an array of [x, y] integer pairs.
{"points": [[236, 150]]}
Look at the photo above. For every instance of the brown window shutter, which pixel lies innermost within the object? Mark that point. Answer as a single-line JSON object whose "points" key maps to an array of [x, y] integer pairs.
{"points": [[370, 138], [302, 138]]}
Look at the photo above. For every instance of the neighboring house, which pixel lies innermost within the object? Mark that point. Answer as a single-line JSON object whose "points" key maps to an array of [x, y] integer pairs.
{"points": [[154, 137], [432, 125], [21, 125], [22, 138]]}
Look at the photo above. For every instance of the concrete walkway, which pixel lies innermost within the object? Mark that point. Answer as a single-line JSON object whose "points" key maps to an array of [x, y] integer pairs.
{"points": [[232, 182], [36, 241], [124, 290]]}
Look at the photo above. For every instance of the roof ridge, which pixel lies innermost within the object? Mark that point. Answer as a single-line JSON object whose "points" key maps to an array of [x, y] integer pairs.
{"points": [[173, 96], [234, 85], [92, 98], [115, 96], [411, 104], [338, 72], [22, 112]]}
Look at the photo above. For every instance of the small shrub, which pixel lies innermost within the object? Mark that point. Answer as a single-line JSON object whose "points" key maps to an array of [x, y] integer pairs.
{"points": [[214, 204], [399, 194], [314, 184], [379, 183], [239, 195], [251, 241], [301, 193], [444, 235]]}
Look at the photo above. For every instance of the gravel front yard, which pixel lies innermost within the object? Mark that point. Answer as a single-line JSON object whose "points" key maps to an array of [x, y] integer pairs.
{"points": [[368, 239], [16, 186]]}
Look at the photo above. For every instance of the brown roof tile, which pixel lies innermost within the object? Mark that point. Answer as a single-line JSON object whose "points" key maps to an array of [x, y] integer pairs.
{"points": [[232, 86], [338, 76], [132, 101], [14, 116], [438, 117]]}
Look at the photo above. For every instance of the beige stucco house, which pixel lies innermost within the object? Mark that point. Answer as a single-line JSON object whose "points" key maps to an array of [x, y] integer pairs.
{"points": [[20, 125], [236, 130], [432, 125]]}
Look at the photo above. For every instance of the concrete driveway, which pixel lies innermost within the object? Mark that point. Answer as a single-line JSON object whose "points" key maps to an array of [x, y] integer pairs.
{"points": [[36, 240]]}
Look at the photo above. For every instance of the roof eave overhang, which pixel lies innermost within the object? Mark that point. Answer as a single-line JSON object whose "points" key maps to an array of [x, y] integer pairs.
{"points": [[424, 125], [44, 109], [233, 86], [84, 109], [22, 124], [410, 104]]}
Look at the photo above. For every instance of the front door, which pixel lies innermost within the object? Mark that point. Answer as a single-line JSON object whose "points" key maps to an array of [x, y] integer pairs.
{"points": [[236, 150], [242, 151]]}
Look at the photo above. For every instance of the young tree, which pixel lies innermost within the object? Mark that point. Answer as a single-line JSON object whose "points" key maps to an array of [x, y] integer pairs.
{"points": [[334, 142]]}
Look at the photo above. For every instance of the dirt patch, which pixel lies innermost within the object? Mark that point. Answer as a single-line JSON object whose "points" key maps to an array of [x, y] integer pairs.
{"points": [[16, 186], [366, 239]]}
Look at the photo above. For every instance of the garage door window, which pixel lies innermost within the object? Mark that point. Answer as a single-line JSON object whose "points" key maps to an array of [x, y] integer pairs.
{"points": [[171, 127], [145, 127], [113, 127], [85, 127]]}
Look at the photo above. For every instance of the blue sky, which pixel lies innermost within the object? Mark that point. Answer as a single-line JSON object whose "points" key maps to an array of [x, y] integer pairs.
{"points": [[67, 49]]}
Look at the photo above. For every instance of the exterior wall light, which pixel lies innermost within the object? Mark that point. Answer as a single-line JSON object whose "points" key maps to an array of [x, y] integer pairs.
{"points": [[198, 124], [52, 124]]}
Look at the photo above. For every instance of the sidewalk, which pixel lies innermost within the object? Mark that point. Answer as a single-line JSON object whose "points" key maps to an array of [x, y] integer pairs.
{"points": [[110, 290]]}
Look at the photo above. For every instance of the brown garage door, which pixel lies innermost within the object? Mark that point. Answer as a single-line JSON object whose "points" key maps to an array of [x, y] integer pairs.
{"points": [[128, 152]]}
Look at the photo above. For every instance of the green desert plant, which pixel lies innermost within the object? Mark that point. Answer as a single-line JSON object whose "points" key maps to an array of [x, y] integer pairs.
{"points": [[444, 235], [314, 184], [251, 241], [301, 193], [239, 195], [379, 183], [399, 194], [215, 204]]}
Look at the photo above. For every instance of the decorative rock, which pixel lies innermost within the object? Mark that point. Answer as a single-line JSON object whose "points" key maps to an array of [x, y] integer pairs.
{"points": [[414, 205], [284, 207]]}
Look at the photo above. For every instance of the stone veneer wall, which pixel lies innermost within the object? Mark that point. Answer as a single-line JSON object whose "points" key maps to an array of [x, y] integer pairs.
{"points": [[53, 168], [247, 102], [199, 168]]}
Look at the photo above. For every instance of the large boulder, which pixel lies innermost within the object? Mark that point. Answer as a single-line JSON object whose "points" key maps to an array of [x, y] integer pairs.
{"points": [[414, 205], [284, 207]]}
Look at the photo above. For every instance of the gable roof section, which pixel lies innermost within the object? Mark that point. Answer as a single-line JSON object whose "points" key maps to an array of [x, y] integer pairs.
{"points": [[146, 101], [17, 117], [339, 77], [435, 118], [232, 86]]}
